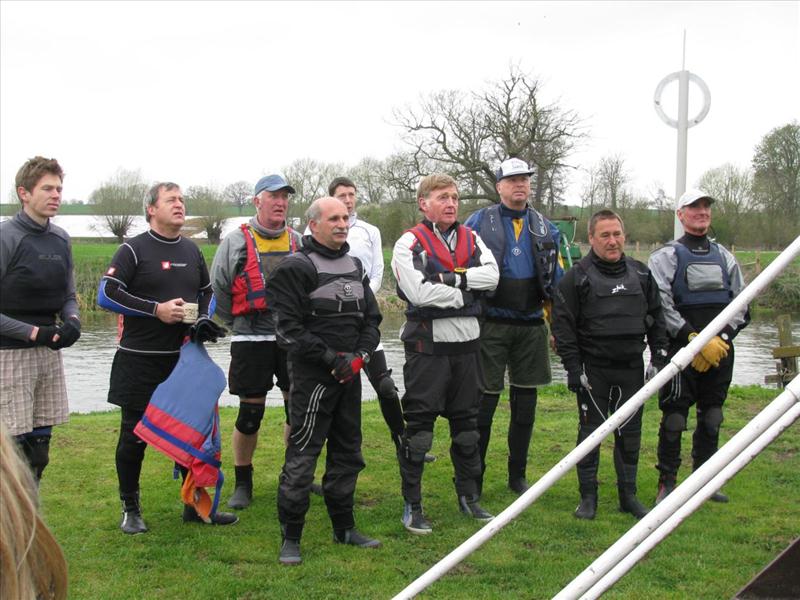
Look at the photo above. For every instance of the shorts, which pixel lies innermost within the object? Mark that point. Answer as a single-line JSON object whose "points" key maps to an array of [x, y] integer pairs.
{"points": [[525, 349], [34, 391], [134, 377], [253, 366]]}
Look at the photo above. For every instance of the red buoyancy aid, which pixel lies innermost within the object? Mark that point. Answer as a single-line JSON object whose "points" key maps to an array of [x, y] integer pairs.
{"points": [[248, 291], [439, 254]]}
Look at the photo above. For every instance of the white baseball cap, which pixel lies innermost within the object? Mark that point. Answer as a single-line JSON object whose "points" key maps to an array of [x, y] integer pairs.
{"points": [[512, 167], [692, 196]]}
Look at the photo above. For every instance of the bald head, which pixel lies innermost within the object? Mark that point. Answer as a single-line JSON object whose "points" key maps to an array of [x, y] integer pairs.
{"points": [[328, 221]]}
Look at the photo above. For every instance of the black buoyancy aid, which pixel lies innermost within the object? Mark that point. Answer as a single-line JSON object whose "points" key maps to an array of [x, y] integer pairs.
{"points": [[35, 285], [340, 289], [248, 291], [545, 257], [700, 279], [615, 306], [440, 259]]}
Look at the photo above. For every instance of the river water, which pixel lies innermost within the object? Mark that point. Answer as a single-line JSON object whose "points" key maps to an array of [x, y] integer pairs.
{"points": [[88, 363]]}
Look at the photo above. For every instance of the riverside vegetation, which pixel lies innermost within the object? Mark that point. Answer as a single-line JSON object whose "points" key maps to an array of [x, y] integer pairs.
{"points": [[711, 555]]}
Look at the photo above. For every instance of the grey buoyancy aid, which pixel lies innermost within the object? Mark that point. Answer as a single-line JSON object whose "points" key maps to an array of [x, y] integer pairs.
{"points": [[615, 306], [340, 289], [700, 279], [521, 294], [440, 259]]}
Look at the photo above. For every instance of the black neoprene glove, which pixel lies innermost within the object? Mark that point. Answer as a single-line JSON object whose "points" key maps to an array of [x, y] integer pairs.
{"points": [[44, 337], [206, 330], [346, 366], [68, 333]]}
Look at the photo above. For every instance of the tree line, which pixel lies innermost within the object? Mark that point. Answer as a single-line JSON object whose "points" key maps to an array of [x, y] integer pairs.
{"points": [[467, 133]]}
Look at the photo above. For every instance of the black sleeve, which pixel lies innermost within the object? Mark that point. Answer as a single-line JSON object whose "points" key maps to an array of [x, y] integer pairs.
{"points": [[118, 276], [205, 293], [564, 325], [657, 325], [370, 335], [287, 294]]}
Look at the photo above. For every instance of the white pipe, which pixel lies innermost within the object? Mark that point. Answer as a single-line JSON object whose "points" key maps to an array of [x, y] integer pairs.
{"points": [[736, 465], [678, 363], [683, 138], [669, 505]]}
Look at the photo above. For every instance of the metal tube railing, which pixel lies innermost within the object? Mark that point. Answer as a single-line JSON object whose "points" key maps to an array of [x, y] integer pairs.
{"points": [[736, 465], [678, 363]]}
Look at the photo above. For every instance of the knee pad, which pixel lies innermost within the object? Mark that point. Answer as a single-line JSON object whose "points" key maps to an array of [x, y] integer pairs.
{"points": [[249, 419], [417, 445], [630, 442], [673, 425], [386, 386], [466, 442], [486, 409], [523, 406], [711, 419]]}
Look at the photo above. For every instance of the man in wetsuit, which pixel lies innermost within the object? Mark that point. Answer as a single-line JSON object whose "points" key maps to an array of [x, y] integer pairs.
{"points": [[326, 318], [241, 266], [149, 280], [605, 307], [36, 289], [697, 278]]}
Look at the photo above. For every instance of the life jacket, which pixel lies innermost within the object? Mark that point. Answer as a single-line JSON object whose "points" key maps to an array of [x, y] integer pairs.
{"points": [[340, 289], [182, 421], [700, 279], [615, 306], [522, 295], [248, 290], [440, 259]]}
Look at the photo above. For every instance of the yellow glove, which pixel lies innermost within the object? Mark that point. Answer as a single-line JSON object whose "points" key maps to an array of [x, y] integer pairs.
{"points": [[715, 350], [547, 309], [700, 364]]}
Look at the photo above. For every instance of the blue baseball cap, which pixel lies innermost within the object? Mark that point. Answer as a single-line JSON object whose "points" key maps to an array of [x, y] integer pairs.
{"points": [[272, 183]]}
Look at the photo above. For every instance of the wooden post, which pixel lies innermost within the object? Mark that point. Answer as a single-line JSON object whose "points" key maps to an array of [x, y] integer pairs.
{"points": [[786, 352]]}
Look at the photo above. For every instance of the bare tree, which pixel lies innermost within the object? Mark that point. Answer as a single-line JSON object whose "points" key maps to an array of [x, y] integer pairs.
{"points": [[240, 194], [367, 177], [118, 201], [310, 179], [776, 166], [209, 205], [469, 134], [732, 188], [612, 178]]}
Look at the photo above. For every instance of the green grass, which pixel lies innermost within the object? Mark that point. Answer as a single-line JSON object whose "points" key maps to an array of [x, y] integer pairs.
{"points": [[712, 555]]}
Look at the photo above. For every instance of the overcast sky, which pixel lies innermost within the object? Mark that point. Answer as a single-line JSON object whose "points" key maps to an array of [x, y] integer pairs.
{"points": [[211, 93]]}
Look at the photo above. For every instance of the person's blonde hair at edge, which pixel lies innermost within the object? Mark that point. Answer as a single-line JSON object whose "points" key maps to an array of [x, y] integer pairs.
{"points": [[32, 565]]}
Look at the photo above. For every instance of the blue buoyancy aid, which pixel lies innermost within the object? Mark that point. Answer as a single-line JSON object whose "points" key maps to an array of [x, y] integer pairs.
{"points": [[701, 279]]}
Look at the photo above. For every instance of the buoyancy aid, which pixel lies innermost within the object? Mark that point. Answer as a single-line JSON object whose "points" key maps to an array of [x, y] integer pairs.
{"points": [[441, 259], [340, 289], [615, 306], [521, 294], [700, 279], [182, 421], [248, 290]]}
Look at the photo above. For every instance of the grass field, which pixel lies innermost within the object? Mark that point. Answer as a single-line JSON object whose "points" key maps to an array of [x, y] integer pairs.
{"points": [[712, 555]]}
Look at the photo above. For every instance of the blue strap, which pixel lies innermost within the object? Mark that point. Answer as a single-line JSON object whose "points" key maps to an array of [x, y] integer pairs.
{"points": [[199, 454]]}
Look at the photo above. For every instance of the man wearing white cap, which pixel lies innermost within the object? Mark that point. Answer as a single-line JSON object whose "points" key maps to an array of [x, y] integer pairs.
{"points": [[514, 334], [697, 278]]}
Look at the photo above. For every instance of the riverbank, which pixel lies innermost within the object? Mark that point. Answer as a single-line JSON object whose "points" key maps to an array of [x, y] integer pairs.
{"points": [[712, 555], [92, 259]]}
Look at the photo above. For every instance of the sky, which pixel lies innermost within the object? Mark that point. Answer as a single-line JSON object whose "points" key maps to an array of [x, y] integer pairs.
{"points": [[208, 93]]}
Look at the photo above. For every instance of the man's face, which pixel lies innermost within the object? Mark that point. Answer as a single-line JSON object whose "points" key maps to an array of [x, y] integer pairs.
{"points": [[44, 200], [514, 191], [608, 240], [169, 211], [696, 218], [331, 229], [441, 207], [271, 208], [346, 195]]}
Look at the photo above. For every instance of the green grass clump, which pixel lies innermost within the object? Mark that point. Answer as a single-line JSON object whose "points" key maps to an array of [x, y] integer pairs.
{"points": [[712, 555]]}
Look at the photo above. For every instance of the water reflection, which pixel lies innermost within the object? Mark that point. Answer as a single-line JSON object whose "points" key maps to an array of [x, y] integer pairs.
{"points": [[88, 363]]}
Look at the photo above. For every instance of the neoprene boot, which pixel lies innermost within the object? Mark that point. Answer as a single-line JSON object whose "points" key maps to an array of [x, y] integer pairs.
{"points": [[290, 553], [629, 503], [243, 490], [666, 484], [587, 509], [218, 518], [353, 537], [470, 506], [132, 522]]}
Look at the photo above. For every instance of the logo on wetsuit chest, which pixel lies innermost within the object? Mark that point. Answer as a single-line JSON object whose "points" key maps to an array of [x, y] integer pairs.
{"points": [[167, 265], [619, 288], [348, 290], [55, 257]]}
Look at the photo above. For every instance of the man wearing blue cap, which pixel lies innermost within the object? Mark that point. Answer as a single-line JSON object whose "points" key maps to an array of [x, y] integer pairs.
{"points": [[514, 333], [241, 266]]}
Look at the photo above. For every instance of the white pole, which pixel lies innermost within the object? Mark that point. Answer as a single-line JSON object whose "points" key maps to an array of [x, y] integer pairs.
{"points": [[669, 505], [683, 137], [736, 465], [678, 363]]}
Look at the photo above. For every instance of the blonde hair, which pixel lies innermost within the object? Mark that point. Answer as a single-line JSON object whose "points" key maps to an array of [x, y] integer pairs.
{"points": [[431, 183], [31, 561]]}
